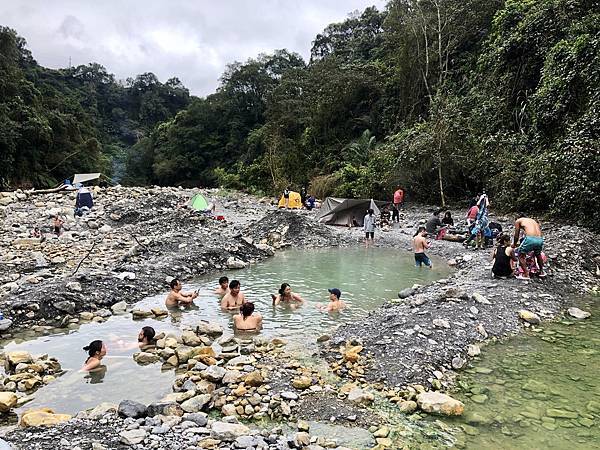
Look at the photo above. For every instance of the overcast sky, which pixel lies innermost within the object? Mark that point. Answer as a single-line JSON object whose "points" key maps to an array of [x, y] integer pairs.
{"points": [[189, 39]]}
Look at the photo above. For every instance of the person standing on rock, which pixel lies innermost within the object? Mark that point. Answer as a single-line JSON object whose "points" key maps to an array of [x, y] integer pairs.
{"points": [[335, 304], [286, 197], [223, 286], [176, 297], [246, 320], [234, 299], [96, 351], [397, 203], [369, 227], [286, 295], [420, 244], [533, 242]]}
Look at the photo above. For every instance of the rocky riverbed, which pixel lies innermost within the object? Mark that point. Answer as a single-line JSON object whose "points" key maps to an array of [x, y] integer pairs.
{"points": [[395, 359]]}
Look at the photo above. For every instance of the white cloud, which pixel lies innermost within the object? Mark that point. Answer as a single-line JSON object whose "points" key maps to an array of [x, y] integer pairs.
{"points": [[192, 40]]}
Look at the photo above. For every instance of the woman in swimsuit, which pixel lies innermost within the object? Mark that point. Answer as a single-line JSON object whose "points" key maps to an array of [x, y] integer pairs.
{"points": [[246, 320], [286, 295], [96, 351]]}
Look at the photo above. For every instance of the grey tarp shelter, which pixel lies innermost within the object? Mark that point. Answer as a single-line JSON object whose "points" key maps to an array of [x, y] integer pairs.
{"points": [[83, 177], [339, 211]]}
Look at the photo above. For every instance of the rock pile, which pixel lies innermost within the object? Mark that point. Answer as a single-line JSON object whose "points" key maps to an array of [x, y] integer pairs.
{"points": [[23, 375]]}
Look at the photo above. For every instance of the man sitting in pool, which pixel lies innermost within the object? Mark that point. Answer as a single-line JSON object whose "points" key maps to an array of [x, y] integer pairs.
{"points": [[176, 297], [223, 286], [234, 298], [335, 304], [146, 338]]}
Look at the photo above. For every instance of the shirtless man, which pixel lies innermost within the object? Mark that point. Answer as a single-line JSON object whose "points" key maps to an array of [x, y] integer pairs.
{"points": [[335, 304], [234, 298], [533, 242], [223, 286], [246, 320], [146, 338], [176, 297], [420, 244]]}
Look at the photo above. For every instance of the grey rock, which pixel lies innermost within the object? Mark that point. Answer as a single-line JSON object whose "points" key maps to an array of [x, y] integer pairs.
{"points": [[65, 306], [288, 395], [578, 313], [214, 373], [5, 324], [405, 293], [130, 408], [132, 437], [199, 419], [165, 409], [228, 431], [195, 404]]}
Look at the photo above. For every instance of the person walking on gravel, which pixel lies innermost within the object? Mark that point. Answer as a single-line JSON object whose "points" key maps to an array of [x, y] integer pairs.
{"points": [[532, 242]]}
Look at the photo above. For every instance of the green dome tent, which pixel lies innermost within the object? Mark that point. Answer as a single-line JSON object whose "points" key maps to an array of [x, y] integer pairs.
{"points": [[198, 202]]}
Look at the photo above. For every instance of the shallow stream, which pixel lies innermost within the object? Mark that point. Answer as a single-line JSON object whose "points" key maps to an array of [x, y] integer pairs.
{"points": [[366, 277], [538, 390]]}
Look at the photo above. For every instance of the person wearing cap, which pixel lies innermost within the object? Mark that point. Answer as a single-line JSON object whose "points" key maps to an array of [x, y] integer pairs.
{"points": [[335, 304]]}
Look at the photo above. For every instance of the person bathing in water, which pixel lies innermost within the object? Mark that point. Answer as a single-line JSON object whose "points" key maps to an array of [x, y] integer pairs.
{"points": [[420, 244], [176, 297], [223, 286], [286, 295], [234, 298], [533, 242], [96, 351], [335, 304], [246, 320], [146, 337]]}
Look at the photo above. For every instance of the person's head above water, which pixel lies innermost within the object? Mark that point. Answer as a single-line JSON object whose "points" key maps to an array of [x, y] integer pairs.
{"points": [[175, 284], [334, 292], [224, 282], [95, 349], [285, 289], [146, 334], [247, 309], [234, 287]]}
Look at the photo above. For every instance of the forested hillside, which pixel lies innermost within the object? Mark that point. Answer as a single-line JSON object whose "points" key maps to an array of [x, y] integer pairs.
{"points": [[57, 122], [445, 97]]}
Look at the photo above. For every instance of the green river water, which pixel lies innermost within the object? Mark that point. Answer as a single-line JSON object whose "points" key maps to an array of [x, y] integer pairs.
{"points": [[366, 277]]}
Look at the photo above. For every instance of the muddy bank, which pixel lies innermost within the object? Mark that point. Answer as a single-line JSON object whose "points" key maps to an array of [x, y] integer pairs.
{"points": [[427, 332]]}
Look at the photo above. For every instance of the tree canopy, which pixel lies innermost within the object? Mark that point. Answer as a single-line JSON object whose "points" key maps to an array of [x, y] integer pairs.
{"points": [[443, 97]]}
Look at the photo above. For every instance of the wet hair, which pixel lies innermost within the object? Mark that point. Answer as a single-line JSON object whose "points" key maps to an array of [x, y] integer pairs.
{"points": [[173, 283], [421, 228], [234, 284], [370, 211], [148, 333], [282, 288], [223, 280], [247, 309], [93, 348]]}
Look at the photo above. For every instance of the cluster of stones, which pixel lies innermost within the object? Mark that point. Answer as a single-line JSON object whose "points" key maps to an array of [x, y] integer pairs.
{"points": [[350, 363], [231, 380], [24, 374]]}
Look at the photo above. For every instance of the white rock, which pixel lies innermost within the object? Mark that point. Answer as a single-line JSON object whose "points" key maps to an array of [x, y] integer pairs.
{"points": [[480, 299], [578, 313], [74, 286], [132, 437], [441, 323], [360, 397], [119, 308], [473, 350], [234, 263], [228, 431]]}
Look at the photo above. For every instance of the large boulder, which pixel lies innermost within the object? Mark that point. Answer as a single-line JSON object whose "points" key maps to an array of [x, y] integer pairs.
{"points": [[42, 417], [209, 328], [190, 338], [438, 403], [130, 408], [8, 400], [195, 404], [254, 379], [145, 358], [17, 357], [228, 431]]}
